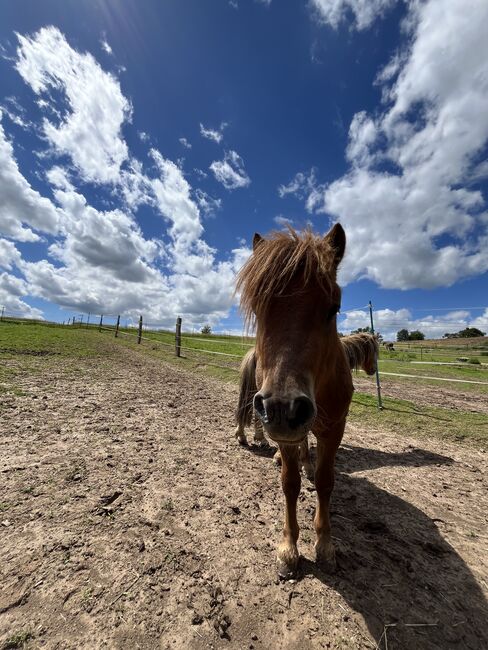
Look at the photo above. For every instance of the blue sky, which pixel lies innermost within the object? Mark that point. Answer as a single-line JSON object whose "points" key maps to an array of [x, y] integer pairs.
{"points": [[143, 143]]}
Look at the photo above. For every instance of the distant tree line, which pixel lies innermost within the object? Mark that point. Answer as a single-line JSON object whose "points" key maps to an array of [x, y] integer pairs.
{"points": [[467, 333], [405, 335]]}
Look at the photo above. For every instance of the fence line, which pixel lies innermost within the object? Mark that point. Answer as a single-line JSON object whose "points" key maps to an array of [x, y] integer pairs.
{"points": [[459, 381], [193, 338]]}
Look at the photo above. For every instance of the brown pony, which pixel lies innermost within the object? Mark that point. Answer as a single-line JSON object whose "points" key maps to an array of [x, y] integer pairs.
{"points": [[361, 351], [301, 371]]}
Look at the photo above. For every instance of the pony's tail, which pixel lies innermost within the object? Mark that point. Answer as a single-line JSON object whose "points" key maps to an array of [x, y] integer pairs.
{"points": [[247, 389]]}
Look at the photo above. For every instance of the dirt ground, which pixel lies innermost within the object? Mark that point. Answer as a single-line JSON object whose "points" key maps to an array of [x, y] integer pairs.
{"points": [[130, 518], [425, 395]]}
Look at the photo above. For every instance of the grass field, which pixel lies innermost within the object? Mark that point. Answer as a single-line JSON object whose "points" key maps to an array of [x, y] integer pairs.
{"points": [[27, 347]]}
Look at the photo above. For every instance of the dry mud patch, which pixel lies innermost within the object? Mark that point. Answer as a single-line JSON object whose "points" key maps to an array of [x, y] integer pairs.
{"points": [[130, 518]]}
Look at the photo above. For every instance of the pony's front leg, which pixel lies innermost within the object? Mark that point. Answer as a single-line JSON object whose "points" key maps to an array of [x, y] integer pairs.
{"points": [[324, 484], [240, 434], [290, 480]]}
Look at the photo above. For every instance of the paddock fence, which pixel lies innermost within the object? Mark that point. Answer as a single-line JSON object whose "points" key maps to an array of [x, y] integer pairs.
{"points": [[458, 362]]}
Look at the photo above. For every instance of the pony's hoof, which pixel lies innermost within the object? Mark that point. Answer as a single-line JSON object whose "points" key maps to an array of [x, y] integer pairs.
{"points": [[242, 440], [326, 557], [287, 562], [277, 458]]}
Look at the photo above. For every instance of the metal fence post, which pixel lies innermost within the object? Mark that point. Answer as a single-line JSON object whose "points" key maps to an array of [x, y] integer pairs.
{"points": [[378, 386], [178, 337]]}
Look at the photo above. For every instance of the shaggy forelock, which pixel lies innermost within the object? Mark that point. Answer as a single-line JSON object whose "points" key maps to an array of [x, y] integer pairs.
{"points": [[277, 260], [361, 349]]}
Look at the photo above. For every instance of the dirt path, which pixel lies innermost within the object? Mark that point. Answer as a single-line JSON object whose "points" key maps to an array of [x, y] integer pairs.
{"points": [[130, 519]]}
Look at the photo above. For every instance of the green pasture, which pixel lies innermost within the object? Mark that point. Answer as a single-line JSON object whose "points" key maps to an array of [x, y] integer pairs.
{"points": [[27, 347]]}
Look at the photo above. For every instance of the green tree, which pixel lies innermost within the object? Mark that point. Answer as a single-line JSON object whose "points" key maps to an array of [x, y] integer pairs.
{"points": [[206, 329], [366, 330], [416, 335], [402, 335], [470, 332]]}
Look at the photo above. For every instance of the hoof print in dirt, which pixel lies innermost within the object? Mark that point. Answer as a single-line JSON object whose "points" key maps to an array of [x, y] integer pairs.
{"points": [[108, 503], [221, 625]]}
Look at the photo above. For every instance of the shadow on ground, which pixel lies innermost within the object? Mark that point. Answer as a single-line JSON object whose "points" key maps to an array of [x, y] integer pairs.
{"points": [[394, 567]]}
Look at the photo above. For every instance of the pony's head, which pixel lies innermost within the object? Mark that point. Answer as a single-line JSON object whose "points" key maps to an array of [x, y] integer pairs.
{"points": [[289, 291]]}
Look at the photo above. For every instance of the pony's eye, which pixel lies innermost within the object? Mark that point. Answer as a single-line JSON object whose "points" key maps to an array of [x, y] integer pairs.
{"points": [[333, 311]]}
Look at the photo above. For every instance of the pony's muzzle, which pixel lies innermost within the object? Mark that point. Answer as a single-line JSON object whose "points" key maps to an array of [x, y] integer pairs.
{"points": [[285, 419]]}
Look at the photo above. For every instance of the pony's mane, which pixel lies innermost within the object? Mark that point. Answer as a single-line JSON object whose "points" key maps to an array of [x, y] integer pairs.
{"points": [[276, 260], [361, 349]]}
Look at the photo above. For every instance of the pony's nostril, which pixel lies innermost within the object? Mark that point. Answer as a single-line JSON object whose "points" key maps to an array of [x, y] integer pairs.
{"points": [[300, 412], [258, 403]]}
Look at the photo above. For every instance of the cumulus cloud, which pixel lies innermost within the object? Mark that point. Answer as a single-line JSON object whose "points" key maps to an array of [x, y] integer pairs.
{"points": [[412, 215], [389, 321], [20, 205], [364, 12], [213, 134], [230, 171], [9, 255], [97, 259], [90, 103], [12, 290]]}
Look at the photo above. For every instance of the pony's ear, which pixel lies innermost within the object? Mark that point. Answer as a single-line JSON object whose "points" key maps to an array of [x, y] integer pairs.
{"points": [[256, 240], [337, 240]]}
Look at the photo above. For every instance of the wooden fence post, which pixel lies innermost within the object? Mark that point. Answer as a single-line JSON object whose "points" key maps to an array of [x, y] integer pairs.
{"points": [[140, 330], [117, 326], [73, 321], [178, 337], [101, 323]]}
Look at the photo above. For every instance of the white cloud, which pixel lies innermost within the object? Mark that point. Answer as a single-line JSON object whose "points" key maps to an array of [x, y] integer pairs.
{"points": [[304, 186], [90, 128], [481, 322], [334, 12], [59, 178], [230, 171], [108, 241], [19, 203], [173, 199], [412, 215], [9, 255], [283, 222], [105, 46], [207, 204], [184, 142], [12, 290], [213, 134], [143, 136], [388, 322], [100, 260]]}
